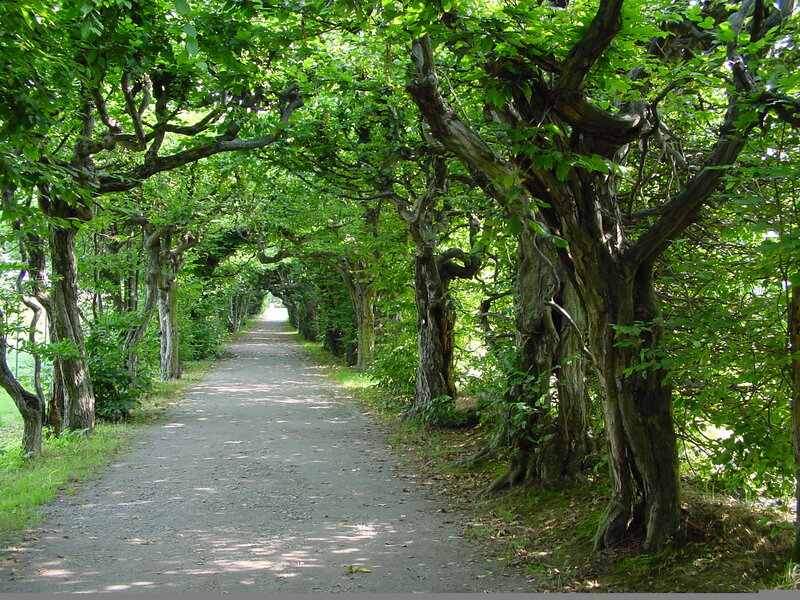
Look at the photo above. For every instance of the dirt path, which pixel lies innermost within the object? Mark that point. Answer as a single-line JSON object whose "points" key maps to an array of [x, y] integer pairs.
{"points": [[267, 479]]}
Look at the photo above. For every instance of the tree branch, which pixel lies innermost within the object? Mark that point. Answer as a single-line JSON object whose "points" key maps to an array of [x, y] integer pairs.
{"points": [[290, 101], [604, 27], [130, 106]]}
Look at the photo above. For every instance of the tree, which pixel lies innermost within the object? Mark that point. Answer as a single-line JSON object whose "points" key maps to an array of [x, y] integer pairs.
{"points": [[571, 161], [139, 75]]}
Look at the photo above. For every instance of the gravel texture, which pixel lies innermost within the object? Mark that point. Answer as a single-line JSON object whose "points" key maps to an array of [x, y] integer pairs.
{"points": [[266, 479]]}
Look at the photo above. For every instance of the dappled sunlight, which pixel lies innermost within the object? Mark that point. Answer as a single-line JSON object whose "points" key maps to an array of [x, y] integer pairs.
{"points": [[336, 550], [262, 478]]}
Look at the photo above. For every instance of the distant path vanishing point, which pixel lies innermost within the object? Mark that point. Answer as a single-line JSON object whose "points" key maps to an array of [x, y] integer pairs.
{"points": [[266, 479]]}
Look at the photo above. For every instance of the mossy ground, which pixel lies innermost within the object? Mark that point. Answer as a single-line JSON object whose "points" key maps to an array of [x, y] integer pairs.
{"points": [[548, 532]]}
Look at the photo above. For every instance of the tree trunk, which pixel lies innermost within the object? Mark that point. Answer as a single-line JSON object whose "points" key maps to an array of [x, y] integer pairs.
{"points": [[363, 298], [79, 414], [794, 348], [56, 398], [637, 406], [153, 246], [572, 433], [168, 323], [435, 338], [31, 407], [529, 391]]}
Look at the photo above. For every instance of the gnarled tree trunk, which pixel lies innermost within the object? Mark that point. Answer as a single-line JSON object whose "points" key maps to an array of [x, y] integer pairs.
{"points": [[637, 407], [435, 335], [65, 317], [168, 325], [550, 442]]}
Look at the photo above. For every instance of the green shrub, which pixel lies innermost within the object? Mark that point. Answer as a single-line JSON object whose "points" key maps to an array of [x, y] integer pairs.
{"points": [[117, 390]]}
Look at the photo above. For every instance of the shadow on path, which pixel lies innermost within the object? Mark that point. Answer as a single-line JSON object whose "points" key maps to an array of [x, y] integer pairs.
{"points": [[266, 479]]}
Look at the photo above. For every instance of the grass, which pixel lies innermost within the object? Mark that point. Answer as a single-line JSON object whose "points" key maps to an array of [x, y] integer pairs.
{"points": [[731, 546], [66, 462], [9, 415], [345, 376], [21, 364]]}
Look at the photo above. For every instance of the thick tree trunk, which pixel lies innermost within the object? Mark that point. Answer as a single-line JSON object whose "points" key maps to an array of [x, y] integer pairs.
{"points": [[530, 390], [571, 443], [363, 298], [637, 406], [168, 323], [65, 316], [794, 348], [435, 338], [30, 407]]}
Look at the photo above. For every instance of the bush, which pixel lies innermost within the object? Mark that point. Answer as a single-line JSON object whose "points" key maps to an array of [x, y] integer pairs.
{"points": [[117, 390]]}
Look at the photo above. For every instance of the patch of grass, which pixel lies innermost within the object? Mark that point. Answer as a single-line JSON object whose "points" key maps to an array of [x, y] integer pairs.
{"points": [[9, 414]]}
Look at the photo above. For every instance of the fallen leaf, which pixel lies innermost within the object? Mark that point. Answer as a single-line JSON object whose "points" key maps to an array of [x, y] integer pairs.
{"points": [[358, 570]]}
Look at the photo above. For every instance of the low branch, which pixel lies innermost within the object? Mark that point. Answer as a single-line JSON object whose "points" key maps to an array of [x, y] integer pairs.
{"points": [[130, 107], [602, 30]]}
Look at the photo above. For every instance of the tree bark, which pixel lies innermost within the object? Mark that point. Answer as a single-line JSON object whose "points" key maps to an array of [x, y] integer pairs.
{"points": [[57, 396], [153, 247], [35, 255], [363, 298], [79, 414], [435, 337], [571, 444], [550, 443], [168, 324], [794, 349], [637, 408]]}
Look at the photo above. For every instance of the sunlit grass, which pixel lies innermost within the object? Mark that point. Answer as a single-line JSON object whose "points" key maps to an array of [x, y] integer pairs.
{"points": [[21, 365], [339, 372], [9, 414]]}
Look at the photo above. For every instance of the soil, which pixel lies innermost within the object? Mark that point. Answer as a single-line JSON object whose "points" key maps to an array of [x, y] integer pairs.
{"points": [[266, 478]]}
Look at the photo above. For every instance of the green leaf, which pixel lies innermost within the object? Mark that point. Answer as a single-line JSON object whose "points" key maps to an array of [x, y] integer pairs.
{"points": [[514, 224], [562, 169], [182, 6], [707, 23]]}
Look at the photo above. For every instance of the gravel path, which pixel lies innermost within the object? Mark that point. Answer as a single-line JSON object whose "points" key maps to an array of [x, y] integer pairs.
{"points": [[267, 479]]}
